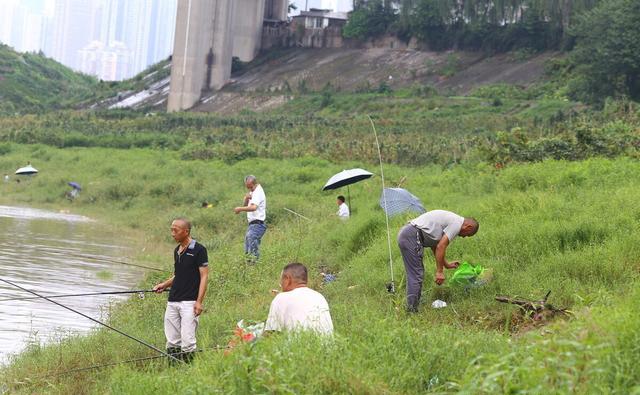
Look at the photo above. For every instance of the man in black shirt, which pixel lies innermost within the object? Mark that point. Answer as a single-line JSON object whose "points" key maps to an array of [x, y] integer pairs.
{"points": [[188, 287]]}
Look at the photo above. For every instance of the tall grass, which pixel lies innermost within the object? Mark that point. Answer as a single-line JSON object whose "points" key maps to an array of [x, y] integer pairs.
{"points": [[562, 226]]}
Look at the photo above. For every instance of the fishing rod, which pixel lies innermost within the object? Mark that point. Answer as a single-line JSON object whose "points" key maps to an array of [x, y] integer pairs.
{"points": [[110, 364], [299, 215], [98, 258], [137, 291], [106, 365], [103, 259], [92, 319], [391, 287]]}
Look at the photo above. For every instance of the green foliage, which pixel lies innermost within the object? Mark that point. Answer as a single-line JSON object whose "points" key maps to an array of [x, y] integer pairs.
{"points": [[489, 25], [607, 52], [417, 128], [554, 225], [372, 19], [31, 82]]}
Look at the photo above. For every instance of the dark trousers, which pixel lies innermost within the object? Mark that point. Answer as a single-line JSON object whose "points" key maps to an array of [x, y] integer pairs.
{"points": [[412, 253]]}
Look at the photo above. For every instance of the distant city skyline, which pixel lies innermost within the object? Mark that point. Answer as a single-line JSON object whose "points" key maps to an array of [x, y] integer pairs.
{"points": [[110, 39]]}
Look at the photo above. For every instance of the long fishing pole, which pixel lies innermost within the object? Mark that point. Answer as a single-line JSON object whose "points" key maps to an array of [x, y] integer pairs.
{"points": [[137, 291], [104, 259], [98, 258], [299, 215], [392, 287], [106, 365], [91, 318]]}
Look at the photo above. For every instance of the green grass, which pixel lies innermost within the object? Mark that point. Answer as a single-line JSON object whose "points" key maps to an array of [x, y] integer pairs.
{"points": [[568, 227], [32, 83]]}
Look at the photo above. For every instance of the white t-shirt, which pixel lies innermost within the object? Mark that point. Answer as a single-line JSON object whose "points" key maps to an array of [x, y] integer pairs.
{"points": [[259, 199], [300, 309], [343, 211]]}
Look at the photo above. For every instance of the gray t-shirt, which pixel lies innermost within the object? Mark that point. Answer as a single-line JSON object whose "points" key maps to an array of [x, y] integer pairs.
{"points": [[434, 224]]}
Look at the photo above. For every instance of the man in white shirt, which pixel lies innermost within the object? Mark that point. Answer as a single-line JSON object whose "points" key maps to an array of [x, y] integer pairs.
{"points": [[434, 229], [255, 205], [297, 307], [343, 209]]}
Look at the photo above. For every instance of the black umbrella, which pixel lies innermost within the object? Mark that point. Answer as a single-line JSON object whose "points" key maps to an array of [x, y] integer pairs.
{"points": [[346, 178]]}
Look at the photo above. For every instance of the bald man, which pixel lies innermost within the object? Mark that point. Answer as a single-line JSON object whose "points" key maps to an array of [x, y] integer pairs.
{"points": [[298, 307], [434, 229], [188, 288]]}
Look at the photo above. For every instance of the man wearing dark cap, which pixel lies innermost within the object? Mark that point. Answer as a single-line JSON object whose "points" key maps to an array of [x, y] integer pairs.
{"points": [[188, 288]]}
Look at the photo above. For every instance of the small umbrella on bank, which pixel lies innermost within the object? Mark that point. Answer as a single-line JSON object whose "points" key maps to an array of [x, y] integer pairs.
{"points": [[26, 171], [346, 178], [399, 200], [75, 185]]}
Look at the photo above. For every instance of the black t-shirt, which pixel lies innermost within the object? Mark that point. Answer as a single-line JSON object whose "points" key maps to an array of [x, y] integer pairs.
{"points": [[187, 272]]}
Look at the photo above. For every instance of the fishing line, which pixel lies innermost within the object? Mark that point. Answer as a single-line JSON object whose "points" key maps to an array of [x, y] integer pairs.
{"points": [[110, 364], [106, 365], [138, 291], [300, 229], [390, 287], [92, 319], [97, 258]]}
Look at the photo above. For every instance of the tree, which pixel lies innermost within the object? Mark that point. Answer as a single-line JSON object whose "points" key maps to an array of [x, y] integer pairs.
{"points": [[371, 19], [607, 52]]}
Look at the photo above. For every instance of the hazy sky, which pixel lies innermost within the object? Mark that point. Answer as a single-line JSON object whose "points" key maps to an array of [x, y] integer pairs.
{"points": [[336, 5]]}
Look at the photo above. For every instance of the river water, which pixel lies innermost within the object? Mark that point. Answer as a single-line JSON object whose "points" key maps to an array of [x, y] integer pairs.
{"points": [[54, 254]]}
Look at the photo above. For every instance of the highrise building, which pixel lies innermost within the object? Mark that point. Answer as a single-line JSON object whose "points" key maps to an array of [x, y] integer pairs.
{"points": [[162, 29], [133, 33], [71, 31], [107, 62]]}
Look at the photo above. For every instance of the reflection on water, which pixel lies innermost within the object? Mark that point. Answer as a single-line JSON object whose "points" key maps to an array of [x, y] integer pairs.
{"points": [[47, 253]]}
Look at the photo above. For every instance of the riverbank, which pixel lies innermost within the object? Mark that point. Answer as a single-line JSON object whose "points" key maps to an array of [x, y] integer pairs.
{"points": [[560, 226]]}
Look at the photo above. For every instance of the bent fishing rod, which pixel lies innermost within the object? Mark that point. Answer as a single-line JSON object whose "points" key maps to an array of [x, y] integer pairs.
{"points": [[136, 291], [92, 319]]}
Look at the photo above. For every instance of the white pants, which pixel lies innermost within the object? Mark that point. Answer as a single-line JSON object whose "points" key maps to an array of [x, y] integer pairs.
{"points": [[180, 324]]}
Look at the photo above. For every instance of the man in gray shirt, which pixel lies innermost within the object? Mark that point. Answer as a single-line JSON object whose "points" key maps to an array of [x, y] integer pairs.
{"points": [[434, 229]]}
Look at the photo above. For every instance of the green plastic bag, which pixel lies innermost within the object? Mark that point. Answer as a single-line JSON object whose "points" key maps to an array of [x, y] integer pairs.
{"points": [[466, 274]]}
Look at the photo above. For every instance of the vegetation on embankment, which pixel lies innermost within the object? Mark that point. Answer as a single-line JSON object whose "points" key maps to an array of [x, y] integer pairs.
{"points": [[501, 124], [33, 83], [601, 37], [555, 225]]}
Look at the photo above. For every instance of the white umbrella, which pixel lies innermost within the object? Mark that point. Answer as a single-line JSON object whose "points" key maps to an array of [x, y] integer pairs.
{"points": [[27, 170]]}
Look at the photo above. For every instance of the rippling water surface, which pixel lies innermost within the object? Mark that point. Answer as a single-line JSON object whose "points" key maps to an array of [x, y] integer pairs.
{"points": [[53, 254]]}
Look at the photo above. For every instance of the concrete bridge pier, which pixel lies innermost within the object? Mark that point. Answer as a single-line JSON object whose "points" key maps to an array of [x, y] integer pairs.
{"points": [[208, 34]]}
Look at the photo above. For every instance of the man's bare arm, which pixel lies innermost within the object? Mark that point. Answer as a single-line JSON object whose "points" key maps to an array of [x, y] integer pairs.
{"points": [[249, 208], [164, 285], [202, 290]]}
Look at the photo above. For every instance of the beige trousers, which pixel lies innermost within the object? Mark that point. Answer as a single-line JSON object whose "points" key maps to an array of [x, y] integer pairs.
{"points": [[180, 325]]}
